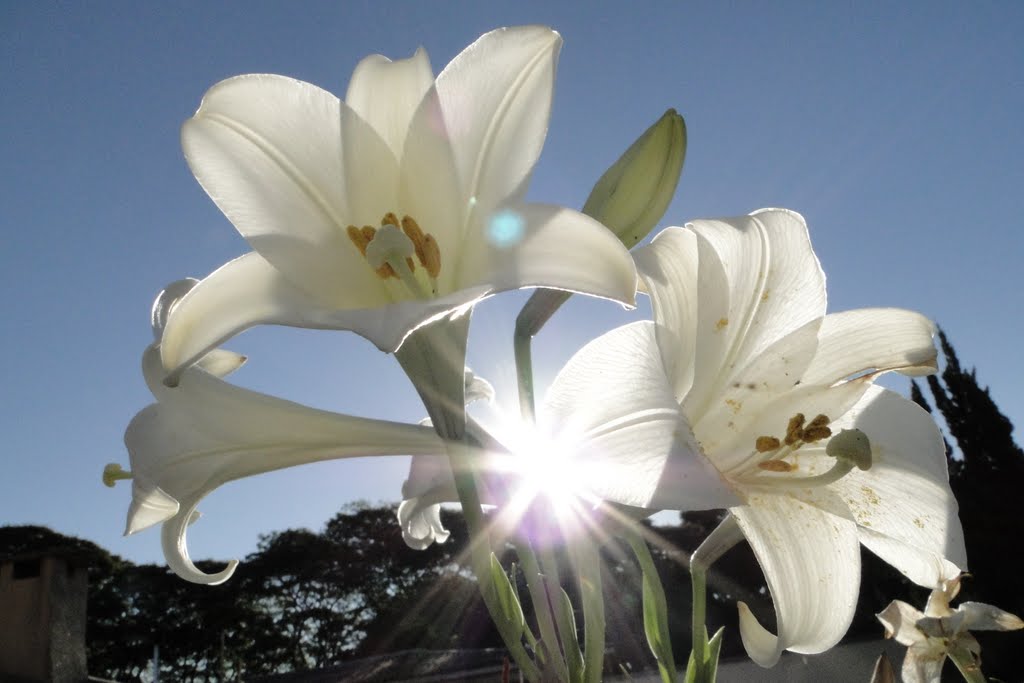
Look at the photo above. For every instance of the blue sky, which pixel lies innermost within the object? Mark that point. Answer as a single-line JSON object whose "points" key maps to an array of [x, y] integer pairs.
{"points": [[893, 127]]}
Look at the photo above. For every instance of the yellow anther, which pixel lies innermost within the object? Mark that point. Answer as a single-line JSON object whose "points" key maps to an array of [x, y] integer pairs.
{"points": [[818, 421], [776, 466], [112, 473], [812, 434], [412, 229], [431, 256], [389, 219], [767, 444], [358, 239], [794, 429]]}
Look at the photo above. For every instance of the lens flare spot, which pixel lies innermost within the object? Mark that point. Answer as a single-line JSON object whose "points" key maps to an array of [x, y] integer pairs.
{"points": [[505, 228]]}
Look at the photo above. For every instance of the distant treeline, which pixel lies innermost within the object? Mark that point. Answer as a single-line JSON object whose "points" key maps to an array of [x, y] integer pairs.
{"points": [[307, 600]]}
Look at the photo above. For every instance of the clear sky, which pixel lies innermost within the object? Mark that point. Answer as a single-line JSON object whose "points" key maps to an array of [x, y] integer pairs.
{"points": [[895, 128]]}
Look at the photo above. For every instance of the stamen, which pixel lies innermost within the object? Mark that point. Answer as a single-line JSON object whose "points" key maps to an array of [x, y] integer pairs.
{"points": [[112, 473], [794, 429], [767, 444], [408, 239], [411, 228], [431, 256]]}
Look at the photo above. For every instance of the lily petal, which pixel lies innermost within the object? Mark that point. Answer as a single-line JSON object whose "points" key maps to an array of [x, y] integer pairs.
{"points": [[266, 150], [249, 291], [613, 400], [421, 524], [873, 339], [900, 621], [811, 561], [207, 432], [669, 271], [538, 245], [776, 284], [982, 617], [496, 100], [387, 93], [903, 503]]}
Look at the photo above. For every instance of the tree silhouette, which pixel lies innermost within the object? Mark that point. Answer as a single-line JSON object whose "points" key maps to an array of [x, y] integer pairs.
{"points": [[987, 478]]}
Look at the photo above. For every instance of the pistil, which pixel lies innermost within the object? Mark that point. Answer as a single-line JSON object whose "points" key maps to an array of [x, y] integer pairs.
{"points": [[390, 249], [113, 472]]}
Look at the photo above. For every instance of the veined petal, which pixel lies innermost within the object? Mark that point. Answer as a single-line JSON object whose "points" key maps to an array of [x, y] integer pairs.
{"points": [[668, 269], [386, 94], [903, 503], [537, 245], [768, 379], [811, 561], [496, 100], [429, 187], [774, 285], [612, 401], [206, 432], [249, 291], [872, 339], [267, 149]]}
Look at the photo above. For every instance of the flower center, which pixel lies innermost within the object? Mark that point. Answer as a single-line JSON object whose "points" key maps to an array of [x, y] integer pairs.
{"points": [[390, 249], [850, 448]]}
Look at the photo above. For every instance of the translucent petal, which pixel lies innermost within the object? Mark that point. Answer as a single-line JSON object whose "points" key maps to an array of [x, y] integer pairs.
{"points": [[612, 405], [496, 100], [872, 339], [904, 503], [386, 93], [811, 561], [536, 245], [268, 151], [206, 432], [775, 286], [669, 268], [249, 291]]}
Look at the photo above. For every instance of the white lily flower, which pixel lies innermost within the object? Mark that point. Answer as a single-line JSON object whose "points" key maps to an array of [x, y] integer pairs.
{"points": [[392, 208], [781, 401], [941, 631], [609, 429], [206, 432]]}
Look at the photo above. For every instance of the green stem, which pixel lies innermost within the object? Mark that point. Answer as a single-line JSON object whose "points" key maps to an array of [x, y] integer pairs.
{"points": [[537, 311], [586, 559], [655, 606], [542, 607], [434, 359], [725, 536]]}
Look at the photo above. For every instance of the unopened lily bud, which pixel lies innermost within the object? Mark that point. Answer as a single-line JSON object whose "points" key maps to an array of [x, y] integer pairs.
{"points": [[633, 195]]}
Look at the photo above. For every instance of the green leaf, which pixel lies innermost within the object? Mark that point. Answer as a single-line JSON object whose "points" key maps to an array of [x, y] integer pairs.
{"points": [[508, 602], [566, 622]]}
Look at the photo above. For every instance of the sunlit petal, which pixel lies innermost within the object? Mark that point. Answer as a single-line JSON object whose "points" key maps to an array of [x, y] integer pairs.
{"points": [[387, 93], [613, 402], [538, 245], [811, 561], [496, 99], [872, 339]]}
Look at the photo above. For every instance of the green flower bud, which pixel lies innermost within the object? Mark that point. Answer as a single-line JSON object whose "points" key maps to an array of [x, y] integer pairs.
{"points": [[632, 196]]}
